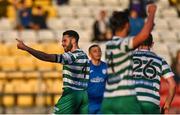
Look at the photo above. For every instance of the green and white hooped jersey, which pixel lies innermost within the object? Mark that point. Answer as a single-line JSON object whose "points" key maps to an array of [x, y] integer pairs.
{"points": [[119, 60], [148, 68], [75, 69]]}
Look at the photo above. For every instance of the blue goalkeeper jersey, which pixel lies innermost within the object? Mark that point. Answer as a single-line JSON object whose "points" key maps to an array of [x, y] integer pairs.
{"points": [[96, 86]]}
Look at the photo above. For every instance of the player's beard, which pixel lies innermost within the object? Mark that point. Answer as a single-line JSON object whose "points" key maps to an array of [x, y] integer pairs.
{"points": [[69, 47]]}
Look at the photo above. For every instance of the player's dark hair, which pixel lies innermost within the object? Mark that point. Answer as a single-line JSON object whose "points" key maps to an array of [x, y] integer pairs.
{"points": [[118, 20], [72, 33], [92, 46], [149, 41]]}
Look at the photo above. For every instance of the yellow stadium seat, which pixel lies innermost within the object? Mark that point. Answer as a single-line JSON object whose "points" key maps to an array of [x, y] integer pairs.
{"points": [[16, 74], [59, 67], [25, 88], [57, 86], [52, 11], [3, 75], [32, 74], [44, 66], [15, 51], [54, 48], [42, 2], [26, 63], [11, 12], [8, 100], [52, 74], [4, 50], [37, 46], [41, 89], [8, 63]]}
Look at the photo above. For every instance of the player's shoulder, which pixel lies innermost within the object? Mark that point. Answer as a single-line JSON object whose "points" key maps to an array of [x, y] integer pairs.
{"points": [[103, 63], [146, 53]]}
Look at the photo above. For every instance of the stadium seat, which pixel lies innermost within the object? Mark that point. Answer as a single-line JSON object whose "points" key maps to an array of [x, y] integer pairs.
{"points": [[28, 36], [93, 2], [110, 2], [14, 51], [161, 24], [25, 89], [175, 24], [85, 36], [54, 86], [26, 63], [156, 36], [8, 100], [42, 2], [52, 74], [3, 75], [5, 24], [44, 66], [38, 46], [76, 2], [169, 12], [32, 74], [87, 23], [45, 36], [168, 36], [65, 11], [4, 50], [15, 75], [52, 11], [8, 63], [59, 67], [10, 36], [124, 3], [54, 48], [55, 23], [82, 11], [11, 12], [71, 23]]}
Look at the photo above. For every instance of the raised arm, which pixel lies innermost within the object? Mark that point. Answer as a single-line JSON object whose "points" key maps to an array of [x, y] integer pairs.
{"points": [[169, 99], [148, 26], [38, 54]]}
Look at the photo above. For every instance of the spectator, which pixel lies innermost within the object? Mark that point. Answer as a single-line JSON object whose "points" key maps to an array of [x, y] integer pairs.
{"points": [[24, 14], [3, 8], [136, 22], [176, 67], [100, 27], [39, 19]]}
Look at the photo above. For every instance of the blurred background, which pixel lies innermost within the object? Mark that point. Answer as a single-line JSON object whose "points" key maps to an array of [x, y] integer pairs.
{"points": [[28, 85]]}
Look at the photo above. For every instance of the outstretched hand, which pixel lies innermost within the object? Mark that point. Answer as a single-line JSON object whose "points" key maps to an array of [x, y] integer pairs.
{"points": [[20, 44]]}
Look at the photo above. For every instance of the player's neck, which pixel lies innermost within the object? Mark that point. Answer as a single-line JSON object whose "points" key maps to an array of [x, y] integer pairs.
{"points": [[74, 48], [121, 34], [96, 62], [144, 48]]}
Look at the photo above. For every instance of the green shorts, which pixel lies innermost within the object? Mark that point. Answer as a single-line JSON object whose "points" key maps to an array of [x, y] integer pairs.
{"points": [[149, 108], [72, 102], [121, 105]]}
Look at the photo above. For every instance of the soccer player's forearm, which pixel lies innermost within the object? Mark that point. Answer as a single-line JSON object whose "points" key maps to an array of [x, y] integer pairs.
{"points": [[41, 55], [169, 99]]}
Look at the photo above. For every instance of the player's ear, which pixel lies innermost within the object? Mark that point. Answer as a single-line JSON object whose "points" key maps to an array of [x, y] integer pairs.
{"points": [[73, 41]]}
